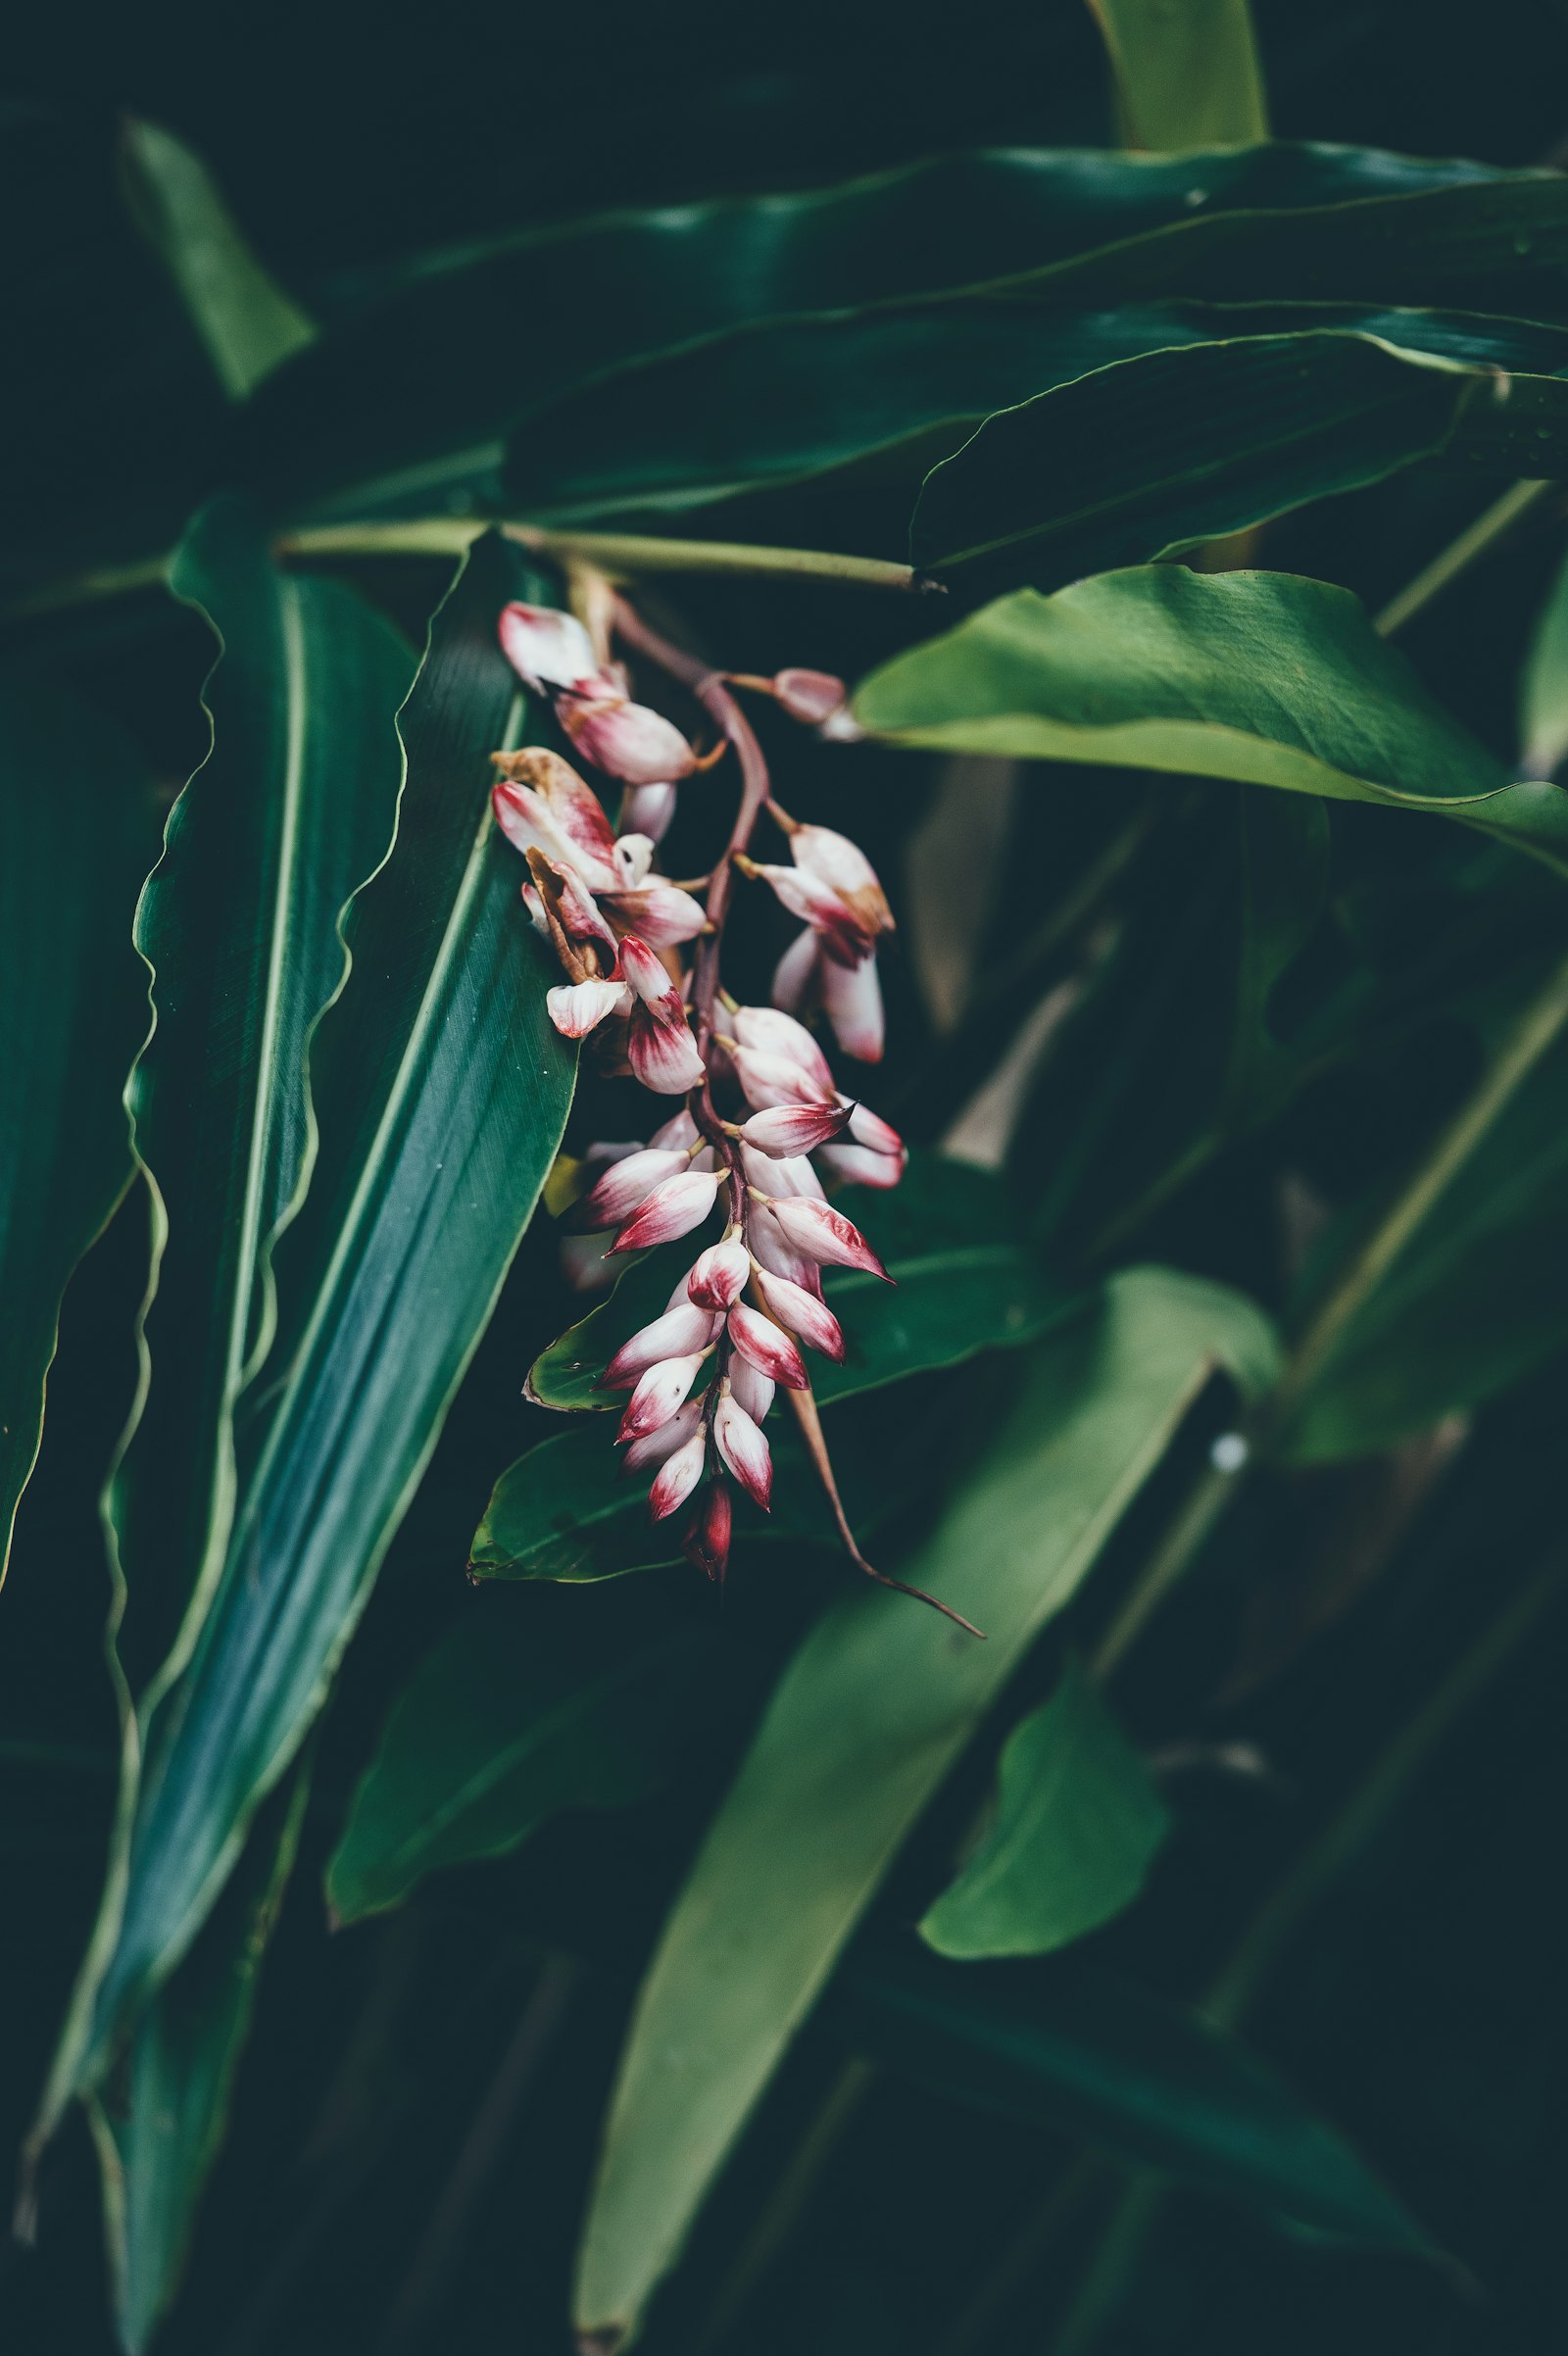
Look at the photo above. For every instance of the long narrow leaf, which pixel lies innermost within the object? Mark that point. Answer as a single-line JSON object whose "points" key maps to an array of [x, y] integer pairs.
{"points": [[870, 1715]]}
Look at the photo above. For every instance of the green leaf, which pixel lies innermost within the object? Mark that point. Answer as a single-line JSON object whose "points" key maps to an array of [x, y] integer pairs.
{"points": [[76, 833], [1186, 77], [1078, 1825], [246, 321], [886, 392], [507, 1722], [289, 813], [1153, 455], [1543, 689], [1074, 2049], [442, 1092], [554, 308], [157, 2142], [1261, 678], [869, 1716]]}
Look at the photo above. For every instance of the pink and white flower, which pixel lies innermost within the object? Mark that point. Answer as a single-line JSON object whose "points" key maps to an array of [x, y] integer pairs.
{"points": [[659, 1394], [767, 1347], [818, 1232], [788, 1130], [707, 1541], [720, 1274], [742, 1447], [804, 1313], [677, 1477], [673, 1208], [676, 1334]]}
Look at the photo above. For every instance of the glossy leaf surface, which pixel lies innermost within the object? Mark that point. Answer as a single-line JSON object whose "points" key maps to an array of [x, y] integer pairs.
{"points": [[1155, 455], [1075, 2049], [890, 391], [555, 306], [443, 1092], [867, 1719], [76, 831], [1261, 678], [1078, 1825]]}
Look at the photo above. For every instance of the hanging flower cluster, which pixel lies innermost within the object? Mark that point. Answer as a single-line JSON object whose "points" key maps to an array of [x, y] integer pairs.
{"points": [[762, 1120]]}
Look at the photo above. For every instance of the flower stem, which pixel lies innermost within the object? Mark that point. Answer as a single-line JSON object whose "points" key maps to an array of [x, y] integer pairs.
{"points": [[1488, 528]]}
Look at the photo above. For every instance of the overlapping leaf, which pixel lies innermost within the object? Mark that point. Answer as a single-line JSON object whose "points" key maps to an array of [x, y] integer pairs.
{"points": [[552, 308], [77, 833], [869, 1716], [1261, 678], [442, 1093], [291, 811], [890, 391], [1152, 456]]}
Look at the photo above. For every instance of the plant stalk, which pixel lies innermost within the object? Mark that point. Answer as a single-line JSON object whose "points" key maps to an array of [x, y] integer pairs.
{"points": [[1491, 525]]}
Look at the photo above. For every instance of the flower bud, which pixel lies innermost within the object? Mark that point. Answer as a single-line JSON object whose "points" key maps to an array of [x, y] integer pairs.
{"points": [[833, 860], [672, 1210], [767, 1347], [767, 1080], [791, 1129], [785, 1174], [648, 809], [707, 1542], [650, 979], [679, 1130], [769, 1251], [546, 649], [581, 939], [852, 999], [818, 904], [821, 1233], [809, 696], [776, 1033], [633, 856], [674, 1335], [657, 1447], [626, 740], [753, 1389], [659, 1393], [720, 1274], [742, 1449], [662, 1053], [857, 1165], [539, 791], [795, 977], [627, 1184], [677, 1477], [577, 1007], [805, 1313], [657, 912]]}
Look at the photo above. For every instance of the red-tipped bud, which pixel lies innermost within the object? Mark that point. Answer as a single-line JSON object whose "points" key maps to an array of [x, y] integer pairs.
{"points": [[577, 1007], [857, 1165], [753, 1389], [795, 976], [546, 649], [677, 1477], [672, 1210], [833, 860], [707, 1542], [818, 904], [650, 979], [657, 1447], [541, 797], [809, 696], [627, 1184], [626, 740], [679, 1130], [775, 1033], [742, 1449], [648, 809], [868, 1128], [767, 1347], [719, 1275], [820, 1233], [662, 1052], [790, 1129], [659, 1394], [804, 1313], [659, 912], [674, 1335]]}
